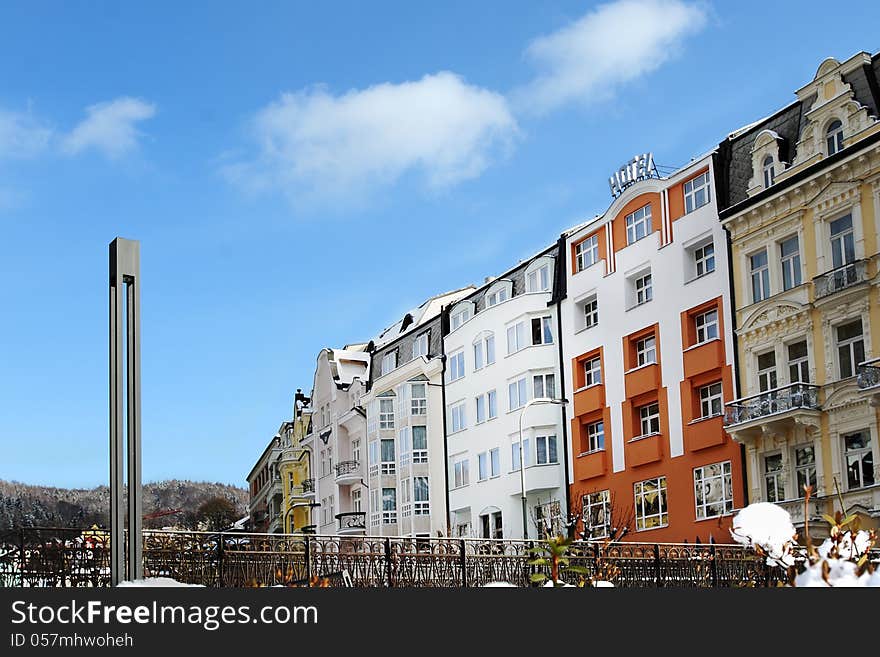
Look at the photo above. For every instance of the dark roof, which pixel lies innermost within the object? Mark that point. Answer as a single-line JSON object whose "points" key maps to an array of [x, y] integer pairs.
{"points": [[733, 167]]}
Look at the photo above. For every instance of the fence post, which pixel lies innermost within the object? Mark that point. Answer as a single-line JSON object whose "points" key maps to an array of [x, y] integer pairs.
{"points": [[713, 566], [463, 562], [388, 562], [657, 572], [221, 544], [308, 561]]}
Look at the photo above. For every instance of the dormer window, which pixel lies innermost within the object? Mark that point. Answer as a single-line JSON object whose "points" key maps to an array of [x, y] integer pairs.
{"points": [[499, 292], [389, 362], [769, 171], [538, 275], [459, 315], [834, 137]]}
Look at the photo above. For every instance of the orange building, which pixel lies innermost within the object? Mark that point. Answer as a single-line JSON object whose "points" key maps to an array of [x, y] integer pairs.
{"points": [[646, 319]]}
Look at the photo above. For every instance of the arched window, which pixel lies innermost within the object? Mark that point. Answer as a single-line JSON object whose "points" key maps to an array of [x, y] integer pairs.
{"points": [[769, 171], [834, 137]]}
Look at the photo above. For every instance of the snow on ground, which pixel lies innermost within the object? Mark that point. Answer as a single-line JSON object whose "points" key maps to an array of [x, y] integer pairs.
{"points": [[769, 527], [155, 582]]}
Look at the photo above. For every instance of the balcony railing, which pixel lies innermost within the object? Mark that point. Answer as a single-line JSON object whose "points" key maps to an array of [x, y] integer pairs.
{"points": [[308, 486], [841, 278], [353, 520], [344, 468], [869, 374], [771, 402]]}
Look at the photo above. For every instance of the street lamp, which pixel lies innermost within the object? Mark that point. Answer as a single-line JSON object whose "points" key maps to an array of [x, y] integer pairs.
{"points": [[522, 460]]}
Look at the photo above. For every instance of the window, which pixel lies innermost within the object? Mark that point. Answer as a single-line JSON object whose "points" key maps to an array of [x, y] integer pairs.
{"points": [[386, 413], [704, 259], [859, 459], [487, 406], [650, 503], [478, 355], [419, 444], [461, 473], [516, 337], [760, 276], [798, 363], [805, 469], [713, 489], [593, 371], [420, 346], [419, 398], [456, 367], [706, 325], [484, 352], [459, 317], [389, 362], [542, 332], [389, 506], [388, 463], [514, 454], [492, 404], [490, 350], [491, 525], [539, 279], [544, 385], [595, 436], [696, 192], [517, 394], [834, 137], [586, 253], [767, 371], [421, 504], [375, 505], [546, 448], [495, 462], [638, 224], [374, 458], [711, 401], [356, 500], [644, 289], [483, 466], [646, 351], [457, 419], [769, 171], [481, 409], [356, 450], [596, 510], [850, 348], [496, 297], [773, 478], [790, 257], [843, 250], [591, 312], [548, 518], [649, 419]]}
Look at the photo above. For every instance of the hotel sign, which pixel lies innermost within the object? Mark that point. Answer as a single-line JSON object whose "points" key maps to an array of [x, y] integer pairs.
{"points": [[641, 167]]}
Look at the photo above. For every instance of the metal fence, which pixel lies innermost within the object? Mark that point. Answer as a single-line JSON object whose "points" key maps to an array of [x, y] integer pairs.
{"points": [[75, 558]]}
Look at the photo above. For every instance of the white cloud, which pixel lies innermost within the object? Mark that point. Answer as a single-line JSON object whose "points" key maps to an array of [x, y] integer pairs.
{"points": [[109, 127], [616, 42], [313, 143], [21, 135]]}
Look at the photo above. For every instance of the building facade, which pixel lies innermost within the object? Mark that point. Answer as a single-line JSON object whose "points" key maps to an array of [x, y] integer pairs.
{"points": [[266, 492], [800, 197], [646, 335], [294, 467], [337, 441], [502, 352], [404, 419]]}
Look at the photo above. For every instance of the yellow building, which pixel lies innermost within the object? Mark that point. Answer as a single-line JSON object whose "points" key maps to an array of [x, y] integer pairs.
{"points": [[799, 193], [294, 466]]}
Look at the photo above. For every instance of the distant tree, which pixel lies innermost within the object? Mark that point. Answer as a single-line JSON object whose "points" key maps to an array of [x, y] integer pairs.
{"points": [[217, 513]]}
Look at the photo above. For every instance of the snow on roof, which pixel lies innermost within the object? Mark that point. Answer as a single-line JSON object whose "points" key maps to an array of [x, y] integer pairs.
{"points": [[349, 365], [424, 313]]}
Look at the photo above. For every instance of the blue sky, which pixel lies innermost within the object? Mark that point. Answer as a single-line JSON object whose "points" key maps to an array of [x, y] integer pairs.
{"points": [[299, 175]]}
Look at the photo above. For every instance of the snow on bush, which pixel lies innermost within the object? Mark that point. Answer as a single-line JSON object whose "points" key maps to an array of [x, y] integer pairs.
{"points": [[768, 527], [154, 582]]}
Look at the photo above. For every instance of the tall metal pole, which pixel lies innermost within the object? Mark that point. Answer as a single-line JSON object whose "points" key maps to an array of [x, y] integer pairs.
{"points": [[125, 379]]}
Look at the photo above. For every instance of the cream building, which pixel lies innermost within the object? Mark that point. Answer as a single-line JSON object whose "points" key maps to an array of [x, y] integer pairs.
{"points": [[799, 194]]}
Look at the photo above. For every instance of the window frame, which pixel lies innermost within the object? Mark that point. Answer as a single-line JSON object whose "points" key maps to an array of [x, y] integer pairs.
{"points": [[634, 220], [588, 245], [710, 398], [690, 195], [725, 478], [662, 514]]}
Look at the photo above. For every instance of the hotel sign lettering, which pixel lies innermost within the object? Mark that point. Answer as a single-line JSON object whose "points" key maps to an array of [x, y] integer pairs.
{"points": [[641, 167]]}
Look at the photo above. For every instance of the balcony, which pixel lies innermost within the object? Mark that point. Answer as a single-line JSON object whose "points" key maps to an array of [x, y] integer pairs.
{"points": [[640, 380], [348, 472], [869, 374], [589, 399], [353, 522], [308, 488], [775, 410], [842, 278], [642, 450]]}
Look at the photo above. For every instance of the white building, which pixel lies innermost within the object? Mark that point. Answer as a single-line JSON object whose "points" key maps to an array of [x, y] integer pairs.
{"points": [[404, 408], [502, 350], [337, 440]]}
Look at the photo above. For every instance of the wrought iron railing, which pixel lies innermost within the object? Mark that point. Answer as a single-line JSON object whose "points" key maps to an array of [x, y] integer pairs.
{"points": [[352, 520], [72, 557], [841, 278], [869, 374], [778, 400], [344, 468]]}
